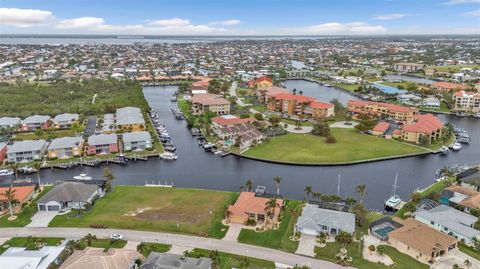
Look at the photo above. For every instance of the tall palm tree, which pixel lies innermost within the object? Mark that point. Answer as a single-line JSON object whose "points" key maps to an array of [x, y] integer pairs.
{"points": [[10, 195], [270, 207], [249, 185], [277, 180], [317, 195], [308, 190], [215, 257], [227, 213], [89, 238], [361, 190]]}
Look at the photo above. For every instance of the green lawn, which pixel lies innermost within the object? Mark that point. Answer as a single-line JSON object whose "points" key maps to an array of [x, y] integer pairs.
{"points": [[177, 210], [45, 135], [351, 146], [153, 247], [348, 87], [469, 251], [25, 216], [402, 261], [293, 122], [228, 261], [22, 242], [371, 217], [278, 239], [443, 108]]}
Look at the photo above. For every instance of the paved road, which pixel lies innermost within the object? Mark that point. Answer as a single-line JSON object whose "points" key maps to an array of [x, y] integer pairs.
{"points": [[233, 92], [178, 240]]}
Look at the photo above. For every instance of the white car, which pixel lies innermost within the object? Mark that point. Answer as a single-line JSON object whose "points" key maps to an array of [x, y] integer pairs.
{"points": [[116, 236]]}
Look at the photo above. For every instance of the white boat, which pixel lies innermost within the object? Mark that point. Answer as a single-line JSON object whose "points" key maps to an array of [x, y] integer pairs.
{"points": [[457, 146], [168, 156], [27, 170], [394, 201], [6, 172], [444, 150], [82, 177], [477, 115]]}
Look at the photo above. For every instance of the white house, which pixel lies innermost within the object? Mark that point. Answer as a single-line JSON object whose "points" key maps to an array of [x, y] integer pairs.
{"points": [[315, 220], [69, 195]]}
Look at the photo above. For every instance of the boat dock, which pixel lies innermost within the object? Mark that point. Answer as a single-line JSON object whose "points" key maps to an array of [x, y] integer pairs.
{"points": [[159, 184]]}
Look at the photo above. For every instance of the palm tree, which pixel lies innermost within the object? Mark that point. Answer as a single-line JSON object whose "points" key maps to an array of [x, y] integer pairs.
{"points": [[270, 207], [344, 238], [10, 195], [249, 185], [308, 190], [89, 238], [215, 257], [467, 263], [244, 263], [277, 180], [14, 167], [316, 195], [361, 190], [108, 175], [227, 212]]}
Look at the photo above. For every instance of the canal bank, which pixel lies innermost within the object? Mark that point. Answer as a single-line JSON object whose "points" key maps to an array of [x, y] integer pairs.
{"points": [[197, 169]]}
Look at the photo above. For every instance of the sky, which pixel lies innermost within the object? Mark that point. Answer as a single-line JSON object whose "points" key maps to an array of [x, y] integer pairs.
{"points": [[240, 17]]}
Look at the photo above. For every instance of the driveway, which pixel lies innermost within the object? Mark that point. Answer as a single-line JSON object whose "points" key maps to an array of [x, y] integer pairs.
{"points": [[178, 239], [455, 257], [341, 124], [233, 232], [306, 246], [42, 219], [304, 129]]}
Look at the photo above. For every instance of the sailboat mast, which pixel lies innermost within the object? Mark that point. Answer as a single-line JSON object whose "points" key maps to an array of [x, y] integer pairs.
{"points": [[338, 186], [395, 185]]}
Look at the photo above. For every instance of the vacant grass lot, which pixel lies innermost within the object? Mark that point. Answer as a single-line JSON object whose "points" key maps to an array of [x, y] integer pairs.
{"points": [[402, 261], [176, 210], [278, 239], [309, 149], [25, 216], [22, 242], [228, 261]]}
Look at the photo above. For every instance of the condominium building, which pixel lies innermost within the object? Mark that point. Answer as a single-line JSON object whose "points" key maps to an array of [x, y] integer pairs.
{"points": [[407, 67], [299, 105], [207, 102], [427, 126], [378, 109], [466, 101]]}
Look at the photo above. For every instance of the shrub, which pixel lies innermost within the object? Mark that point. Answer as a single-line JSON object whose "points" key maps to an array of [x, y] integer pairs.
{"points": [[250, 222], [371, 248], [98, 226], [331, 140]]}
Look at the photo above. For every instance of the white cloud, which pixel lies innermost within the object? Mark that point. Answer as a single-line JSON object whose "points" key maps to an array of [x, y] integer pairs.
{"points": [[174, 22], [80, 23], [335, 28], [473, 13], [393, 16], [24, 17], [459, 2], [226, 22]]}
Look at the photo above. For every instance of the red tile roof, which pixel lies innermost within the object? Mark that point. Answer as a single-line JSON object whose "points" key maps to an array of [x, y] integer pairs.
{"points": [[263, 78], [462, 93], [390, 107], [21, 192], [427, 124], [289, 96], [321, 105], [222, 120], [209, 99], [272, 90], [247, 202], [449, 85], [381, 127]]}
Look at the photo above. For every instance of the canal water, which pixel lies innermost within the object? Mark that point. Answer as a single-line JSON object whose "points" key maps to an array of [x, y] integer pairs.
{"points": [[197, 169]]}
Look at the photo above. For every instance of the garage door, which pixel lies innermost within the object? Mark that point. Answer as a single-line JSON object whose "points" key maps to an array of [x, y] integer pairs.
{"points": [[53, 208], [41, 207]]}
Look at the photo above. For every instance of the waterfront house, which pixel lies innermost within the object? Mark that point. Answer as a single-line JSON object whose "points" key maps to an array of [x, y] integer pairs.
{"points": [[229, 121], [450, 221], [130, 118], [249, 206], [108, 124], [172, 261], [427, 126], [407, 67], [466, 101], [36, 122], [65, 120], [444, 86], [22, 195], [431, 102], [251, 138], [69, 195], [470, 178], [381, 128], [201, 85], [3, 152], [102, 144], [99, 258], [137, 141], [420, 241], [10, 122], [462, 197], [315, 220], [408, 98], [377, 109], [26, 151], [65, 147], [206, 102], [382, 227]]}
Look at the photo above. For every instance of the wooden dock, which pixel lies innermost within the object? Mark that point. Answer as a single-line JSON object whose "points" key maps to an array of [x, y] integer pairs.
{"points": [[159, 184]]}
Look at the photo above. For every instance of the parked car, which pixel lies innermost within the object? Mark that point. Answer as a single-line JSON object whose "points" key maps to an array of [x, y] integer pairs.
{"points": [[116, 236]]}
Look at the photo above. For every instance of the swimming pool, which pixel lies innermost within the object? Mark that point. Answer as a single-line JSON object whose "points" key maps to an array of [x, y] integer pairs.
{"points": [[388, 89]]}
